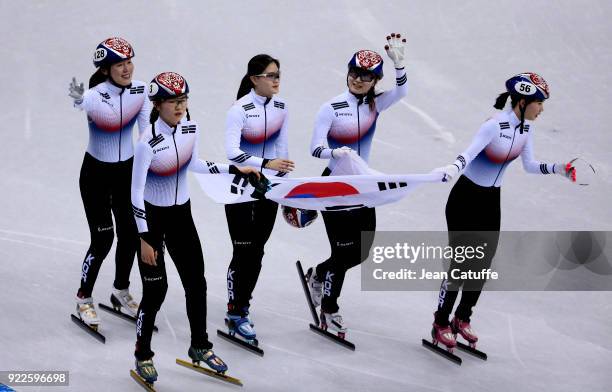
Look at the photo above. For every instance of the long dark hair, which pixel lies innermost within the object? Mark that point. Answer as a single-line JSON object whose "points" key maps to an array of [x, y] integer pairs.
{"points": [[501, 100], [98, 77], [370, 95], [256, 66], [154, 115]]}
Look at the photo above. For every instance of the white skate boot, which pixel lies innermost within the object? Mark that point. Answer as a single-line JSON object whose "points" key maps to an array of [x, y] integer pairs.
{"points": [[334, 322], [87, 312], [315, 287], [123, 299]]}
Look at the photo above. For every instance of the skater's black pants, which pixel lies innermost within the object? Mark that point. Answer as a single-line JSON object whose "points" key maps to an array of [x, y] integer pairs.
{"points": [[250, 225], [174, 227], [348, 249], [105, 190], [473, 218]]}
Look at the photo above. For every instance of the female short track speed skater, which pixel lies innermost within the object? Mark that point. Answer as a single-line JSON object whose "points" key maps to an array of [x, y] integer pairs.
{"points": [[255, 134], [344, 123], [113, 103], [162, 211], [473, 205]]}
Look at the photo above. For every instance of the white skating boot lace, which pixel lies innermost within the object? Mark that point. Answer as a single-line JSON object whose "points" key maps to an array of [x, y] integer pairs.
{"points": [[335, 322], [87, 311], [315, 288], [126, 300]]}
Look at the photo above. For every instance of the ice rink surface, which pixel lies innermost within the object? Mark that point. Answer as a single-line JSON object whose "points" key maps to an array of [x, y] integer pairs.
{"points": [[458, 56]]}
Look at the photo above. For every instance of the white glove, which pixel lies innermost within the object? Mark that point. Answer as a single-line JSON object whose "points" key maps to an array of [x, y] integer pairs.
{"points": [[76, 91], [448, 172], [338, 153], [566, 170], [395, 49]]}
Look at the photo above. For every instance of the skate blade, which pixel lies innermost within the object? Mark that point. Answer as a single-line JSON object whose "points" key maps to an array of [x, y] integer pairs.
{"points": [[252, 342], [209, 372], [141, 381], [473, 351], [242, 343], [120, 314], [89, 329], [313, 310], [335, 338], [445, 353]]}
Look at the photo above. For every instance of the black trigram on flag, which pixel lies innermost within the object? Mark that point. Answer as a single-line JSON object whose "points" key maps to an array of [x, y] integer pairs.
{"points": [[383, 186], [237, 187]]}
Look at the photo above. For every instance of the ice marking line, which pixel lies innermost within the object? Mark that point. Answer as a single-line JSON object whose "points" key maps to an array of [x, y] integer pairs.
{"points": [[347, 368], [513, 343], [42, 237], [376, 140], [39, 246], [169, 325], [431, 122], [362, 332]]}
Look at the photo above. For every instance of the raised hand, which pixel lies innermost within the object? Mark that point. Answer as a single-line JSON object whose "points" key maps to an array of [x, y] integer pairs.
{"points": [[76, 91], [395, 49]]}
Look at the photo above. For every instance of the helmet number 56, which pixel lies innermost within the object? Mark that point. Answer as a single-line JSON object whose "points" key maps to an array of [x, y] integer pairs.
{"points": [[523, 87]]}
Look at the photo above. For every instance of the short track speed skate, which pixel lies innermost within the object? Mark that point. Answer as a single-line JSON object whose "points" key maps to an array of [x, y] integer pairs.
{"points": [[320, 326]]}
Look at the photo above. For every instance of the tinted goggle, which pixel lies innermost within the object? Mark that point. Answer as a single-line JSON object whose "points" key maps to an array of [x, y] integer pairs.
{"points": [[363, 74], [269, 76]]}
